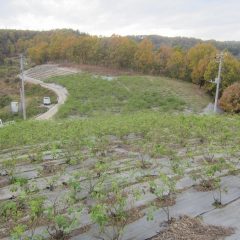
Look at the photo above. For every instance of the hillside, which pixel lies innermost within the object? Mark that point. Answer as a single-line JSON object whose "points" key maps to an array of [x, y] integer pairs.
{"points": [[129, 154], [94, 95], [12, 41], [190, 61], [119, 131]]}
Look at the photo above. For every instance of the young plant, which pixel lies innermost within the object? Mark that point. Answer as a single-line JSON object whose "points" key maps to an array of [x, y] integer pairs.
{"points": [[145, 153], [10, 214], [75, 187], [37, 156], [100, 147], [62, 217], [18, 232], [210, 177], [36, 212], [110, 211], [214, 172], [9, 166], [72, 151], [9, 210], [165, 192], [96, 176]]}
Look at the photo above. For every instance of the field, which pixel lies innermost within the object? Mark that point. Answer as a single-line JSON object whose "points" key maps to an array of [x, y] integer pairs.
{"points": [[145, 168], [127, 157], [93, 95]]}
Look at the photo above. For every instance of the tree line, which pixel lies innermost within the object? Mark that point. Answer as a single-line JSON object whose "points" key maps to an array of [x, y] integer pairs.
{"points": [[197, 64], [11, 42], [186, 43]]}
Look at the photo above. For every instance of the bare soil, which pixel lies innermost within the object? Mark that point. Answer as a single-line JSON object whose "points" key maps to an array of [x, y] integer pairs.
{"points": [[101, 70], [205, 186], [166, 201]]}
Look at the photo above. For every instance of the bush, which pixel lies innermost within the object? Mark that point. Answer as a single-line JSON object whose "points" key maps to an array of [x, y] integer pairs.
{"points": [[230, 100], [5, 100]]}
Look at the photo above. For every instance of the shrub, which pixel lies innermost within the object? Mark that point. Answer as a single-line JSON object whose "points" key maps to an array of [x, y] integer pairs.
{"points": [[230, 100], [5, 100]]}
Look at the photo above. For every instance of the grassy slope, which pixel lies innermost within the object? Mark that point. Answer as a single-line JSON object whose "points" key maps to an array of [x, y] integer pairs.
{"points": [[90, 96], [94, 96]]}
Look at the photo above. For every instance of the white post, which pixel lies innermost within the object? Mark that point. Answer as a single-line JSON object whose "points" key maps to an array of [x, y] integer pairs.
{"points": [[218, 82], [22, 88]]}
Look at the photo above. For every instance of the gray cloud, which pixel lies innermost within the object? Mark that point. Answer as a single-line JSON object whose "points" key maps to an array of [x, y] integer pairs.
{"points": [[206, 19]]}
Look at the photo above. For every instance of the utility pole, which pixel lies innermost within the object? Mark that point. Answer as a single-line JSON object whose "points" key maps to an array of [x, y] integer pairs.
{"points": [[218, 80], [22, 90]]}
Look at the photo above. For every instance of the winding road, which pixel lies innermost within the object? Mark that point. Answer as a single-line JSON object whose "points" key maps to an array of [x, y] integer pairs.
{"points": [[60, 91], [35, 76]]}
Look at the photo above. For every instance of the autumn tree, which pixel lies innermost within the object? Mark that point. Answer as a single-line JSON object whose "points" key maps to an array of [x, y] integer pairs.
{"points": [[230, 100], [85, 49], [39, 53], [161, 59], [66, 46], [230, 73], [56, 45], [198, 58], [144, 57], [9, 40], [176, 67], [121, 52]]}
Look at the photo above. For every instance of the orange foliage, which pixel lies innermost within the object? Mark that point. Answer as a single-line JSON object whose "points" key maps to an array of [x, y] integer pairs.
{"points": [[230, 100]]}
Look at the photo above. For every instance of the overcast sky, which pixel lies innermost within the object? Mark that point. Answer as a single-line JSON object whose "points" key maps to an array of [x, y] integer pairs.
{"points": [[206, 19]]}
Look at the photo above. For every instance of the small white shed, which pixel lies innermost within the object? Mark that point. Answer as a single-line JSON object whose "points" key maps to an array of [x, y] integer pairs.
{"points": [[14, 107]]}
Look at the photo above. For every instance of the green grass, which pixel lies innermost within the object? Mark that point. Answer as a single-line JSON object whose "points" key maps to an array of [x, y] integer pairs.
{"points": [[93, 96], [153, 127]]}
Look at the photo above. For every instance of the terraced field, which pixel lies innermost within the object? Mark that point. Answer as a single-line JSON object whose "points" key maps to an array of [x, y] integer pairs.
{"points": [[45, 71], [119, 178]]}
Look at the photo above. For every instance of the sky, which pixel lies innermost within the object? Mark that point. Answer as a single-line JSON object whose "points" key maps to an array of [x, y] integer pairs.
{"points": [[205, 19]]}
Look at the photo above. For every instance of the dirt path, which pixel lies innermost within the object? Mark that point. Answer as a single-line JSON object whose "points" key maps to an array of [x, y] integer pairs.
{"points": [[39, 73], [60, 91]]}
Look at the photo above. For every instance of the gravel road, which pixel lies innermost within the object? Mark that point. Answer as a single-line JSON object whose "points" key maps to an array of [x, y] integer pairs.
{"points": [[60, 91]]}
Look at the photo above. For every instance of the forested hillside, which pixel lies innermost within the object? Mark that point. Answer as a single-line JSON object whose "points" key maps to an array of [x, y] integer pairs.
{"points": [[13, 41], [187, 59], [186, 43]]}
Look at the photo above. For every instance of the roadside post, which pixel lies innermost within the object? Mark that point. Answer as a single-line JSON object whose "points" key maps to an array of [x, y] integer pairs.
{"points": [[220, 58], [22, 90]]}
